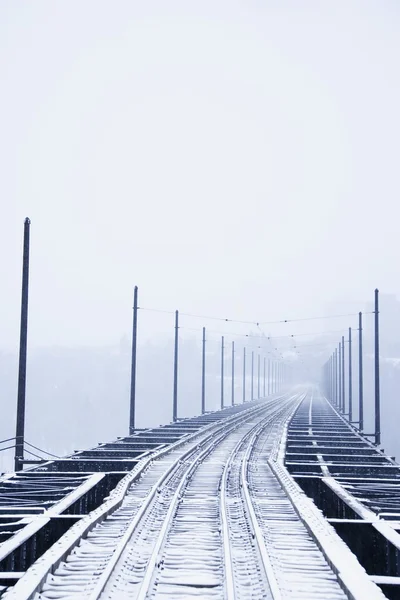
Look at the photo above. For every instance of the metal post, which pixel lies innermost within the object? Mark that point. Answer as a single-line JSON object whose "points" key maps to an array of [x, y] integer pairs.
{"points": [[133, 364], [222, 372], [203, 374], [23, 341], [343, 378], [175, 404], [269, 377], [327, 378], [244, 374], [330, 378], [278, 369], [360, 374], [377, 386], [264, 377], [350, 380], [340, 376], [276, 376], [258, 375], [273, 380], [233, 373], [335, 380], [252, 374]]}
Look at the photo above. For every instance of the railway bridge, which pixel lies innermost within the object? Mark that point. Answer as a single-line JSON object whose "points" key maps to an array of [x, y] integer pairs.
{"points": [[276, 498], [282, 496]]}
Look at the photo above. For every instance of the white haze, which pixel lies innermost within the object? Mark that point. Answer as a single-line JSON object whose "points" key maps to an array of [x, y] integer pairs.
{"points": [[237, 159]]}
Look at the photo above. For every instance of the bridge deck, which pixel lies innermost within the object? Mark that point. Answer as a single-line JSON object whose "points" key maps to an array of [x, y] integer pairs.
{"points": [[274, 499], [40, 504], [353, 483]]}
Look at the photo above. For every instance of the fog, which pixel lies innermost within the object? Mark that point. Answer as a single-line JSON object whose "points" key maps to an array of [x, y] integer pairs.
{"points": [[233, 159]]}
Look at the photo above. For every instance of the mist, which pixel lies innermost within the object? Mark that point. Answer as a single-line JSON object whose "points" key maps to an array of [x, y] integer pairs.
{"points": [[235, 160]]}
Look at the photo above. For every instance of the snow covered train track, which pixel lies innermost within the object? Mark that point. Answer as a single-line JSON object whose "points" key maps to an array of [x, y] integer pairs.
{"points": [[207, 519]]}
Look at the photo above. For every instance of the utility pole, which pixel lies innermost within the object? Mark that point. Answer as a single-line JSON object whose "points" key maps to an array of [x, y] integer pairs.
{"points": [[203, 374], [133, 364], [335, 364], [350, 380], [222, 372], [343, 378], [377, 385], [175, 401], [264, 377], [273, 374], [360, 374], [269, 377], [340, 376], [244, 374], [23, 342], [233, 373], [252, 374], [258, 375]]}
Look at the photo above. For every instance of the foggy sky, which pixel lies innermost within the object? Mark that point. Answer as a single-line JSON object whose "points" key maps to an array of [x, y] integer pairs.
{"points": [[229, 158]]}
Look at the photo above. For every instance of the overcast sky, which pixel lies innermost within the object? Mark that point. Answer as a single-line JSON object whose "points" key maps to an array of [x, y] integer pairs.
{"points": [[231, 158]]}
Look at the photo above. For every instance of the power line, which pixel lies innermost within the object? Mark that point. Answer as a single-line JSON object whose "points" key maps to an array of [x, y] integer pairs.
{"points": [[260, 337], [311, 345], [312, 318], [7, 448], [208, 318], [7, 440], [265, 336], [257, 323], [40, 450]]}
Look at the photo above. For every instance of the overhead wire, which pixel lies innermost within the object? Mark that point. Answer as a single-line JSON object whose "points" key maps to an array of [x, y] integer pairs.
{"points": [[6, 448], [7, 440], [41, 450], [257, 323]]}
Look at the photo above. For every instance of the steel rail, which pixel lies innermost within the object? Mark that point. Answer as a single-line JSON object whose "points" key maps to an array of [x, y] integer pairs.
{"points": [[147, 580], [33, 579], [145, 589], [258, 535], [224, 429], [248, 440], [253, 489]]}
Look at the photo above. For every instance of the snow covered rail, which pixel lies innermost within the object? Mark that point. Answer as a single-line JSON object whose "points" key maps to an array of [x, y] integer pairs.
{"points": [[122, 553], [116, 513], [214, 516], [45, 510]]}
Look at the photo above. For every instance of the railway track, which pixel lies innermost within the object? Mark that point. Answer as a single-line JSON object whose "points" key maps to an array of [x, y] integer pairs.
{"points": [[208, 519]]}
